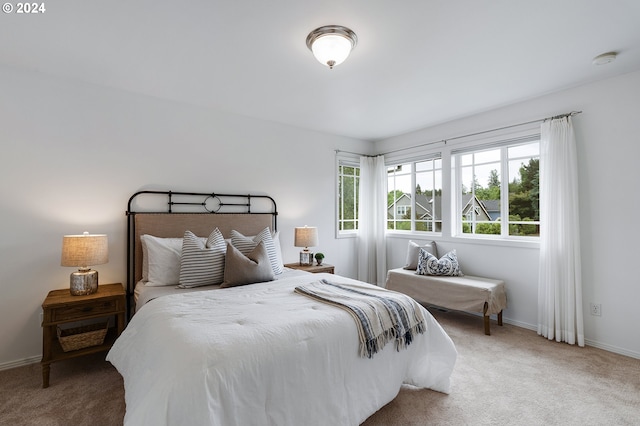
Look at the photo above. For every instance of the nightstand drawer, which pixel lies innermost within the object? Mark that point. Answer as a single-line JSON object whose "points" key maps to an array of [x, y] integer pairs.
{"points": [[83, 310]]}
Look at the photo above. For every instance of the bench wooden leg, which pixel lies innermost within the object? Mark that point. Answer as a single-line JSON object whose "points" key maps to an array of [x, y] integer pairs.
{"points": [[500, 318], [486, 318]]}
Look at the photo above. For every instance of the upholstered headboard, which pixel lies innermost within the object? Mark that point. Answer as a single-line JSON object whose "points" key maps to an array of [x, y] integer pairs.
{"points": [[199, 213]]}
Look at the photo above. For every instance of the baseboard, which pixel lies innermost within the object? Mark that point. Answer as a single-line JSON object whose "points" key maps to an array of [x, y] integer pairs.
{"points": [[611, 348], [588, 342], [21, 362], [520, 324]]}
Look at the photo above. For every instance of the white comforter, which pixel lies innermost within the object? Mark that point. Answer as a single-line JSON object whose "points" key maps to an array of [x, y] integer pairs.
{"points": [[263, 355]]}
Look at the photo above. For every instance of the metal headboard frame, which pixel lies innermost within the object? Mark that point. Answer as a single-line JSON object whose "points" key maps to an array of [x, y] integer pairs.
{"points": [[192, 203]]}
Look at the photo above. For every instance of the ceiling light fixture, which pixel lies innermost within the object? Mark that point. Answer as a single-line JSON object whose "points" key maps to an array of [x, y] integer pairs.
{"points": [[605, 58], [331, 44]]}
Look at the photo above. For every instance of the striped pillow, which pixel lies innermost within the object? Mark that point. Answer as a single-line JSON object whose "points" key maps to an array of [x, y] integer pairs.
{"points": [[202, 263], [245, 244]]}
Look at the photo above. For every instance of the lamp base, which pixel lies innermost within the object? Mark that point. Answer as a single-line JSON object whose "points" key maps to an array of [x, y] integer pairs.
{"points": [[84, 282], [306, 258]]}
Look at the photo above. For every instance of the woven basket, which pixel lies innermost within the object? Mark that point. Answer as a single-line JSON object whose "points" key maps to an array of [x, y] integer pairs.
{"points": [[75, 338]]}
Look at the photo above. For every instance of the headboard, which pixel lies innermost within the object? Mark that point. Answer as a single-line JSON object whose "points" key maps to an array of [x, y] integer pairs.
{"points": [[154, 213]]}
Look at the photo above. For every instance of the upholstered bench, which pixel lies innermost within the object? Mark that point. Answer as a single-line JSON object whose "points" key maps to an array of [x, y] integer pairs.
{"points": [[462, 293]]}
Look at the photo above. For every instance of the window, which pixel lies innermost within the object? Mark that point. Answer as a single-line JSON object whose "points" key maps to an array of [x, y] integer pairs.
{"points": [[498, 189], [402, 210], [348, 193], [414, 197]]}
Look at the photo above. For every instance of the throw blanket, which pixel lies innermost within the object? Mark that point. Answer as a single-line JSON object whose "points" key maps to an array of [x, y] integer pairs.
{"points": [[379, 319]]}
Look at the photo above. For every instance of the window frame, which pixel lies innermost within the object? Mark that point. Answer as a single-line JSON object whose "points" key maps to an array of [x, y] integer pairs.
{"points": [[345, 160], [394, 164], [456, 186]]}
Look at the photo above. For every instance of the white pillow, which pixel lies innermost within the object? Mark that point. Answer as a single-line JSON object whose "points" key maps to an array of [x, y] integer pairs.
{"points": [[246, 244], [163, 260], [202, 263], [413, 250]]}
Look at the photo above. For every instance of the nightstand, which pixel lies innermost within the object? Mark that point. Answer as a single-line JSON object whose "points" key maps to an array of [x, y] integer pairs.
{"points": [[325, 267], [60, 307]]}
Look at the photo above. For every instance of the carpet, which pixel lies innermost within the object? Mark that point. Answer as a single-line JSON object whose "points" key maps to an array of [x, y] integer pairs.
{"points": [[513, 377]]}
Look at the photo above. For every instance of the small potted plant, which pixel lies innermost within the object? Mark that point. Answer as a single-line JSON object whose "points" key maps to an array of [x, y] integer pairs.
{"points": [[319, 257]]}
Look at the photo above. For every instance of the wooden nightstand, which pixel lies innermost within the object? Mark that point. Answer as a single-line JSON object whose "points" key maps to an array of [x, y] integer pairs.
{"points": [[61, 307], [325, 267]]}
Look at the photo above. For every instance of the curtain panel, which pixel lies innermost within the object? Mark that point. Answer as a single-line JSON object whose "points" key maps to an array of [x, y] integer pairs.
{"points": [[560, 313], [372, 217]]}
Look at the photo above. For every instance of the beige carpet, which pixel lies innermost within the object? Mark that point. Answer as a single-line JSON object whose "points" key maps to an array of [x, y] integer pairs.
{"points": [[512, 377]]}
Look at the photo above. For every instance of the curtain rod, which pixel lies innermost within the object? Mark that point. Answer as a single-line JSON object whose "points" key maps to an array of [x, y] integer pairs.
{"points": [[540, 120]]}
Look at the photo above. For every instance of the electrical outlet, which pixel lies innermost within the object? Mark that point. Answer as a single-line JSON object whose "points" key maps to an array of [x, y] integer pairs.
{"points": [[596, 309]]}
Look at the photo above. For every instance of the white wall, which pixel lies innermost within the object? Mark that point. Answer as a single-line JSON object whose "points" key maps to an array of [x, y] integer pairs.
{"points": [[607, 135], [72, 154]]}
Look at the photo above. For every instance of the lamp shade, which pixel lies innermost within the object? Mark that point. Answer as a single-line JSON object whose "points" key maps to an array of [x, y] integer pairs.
{"points": [[84, 250], [306, 236]]}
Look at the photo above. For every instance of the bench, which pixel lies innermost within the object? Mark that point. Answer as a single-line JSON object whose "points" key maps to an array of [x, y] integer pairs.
{"points": [[465, 293]]}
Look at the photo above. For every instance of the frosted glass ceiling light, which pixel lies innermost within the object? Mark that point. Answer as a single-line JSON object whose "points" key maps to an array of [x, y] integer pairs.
{"points": [[331, 44]]}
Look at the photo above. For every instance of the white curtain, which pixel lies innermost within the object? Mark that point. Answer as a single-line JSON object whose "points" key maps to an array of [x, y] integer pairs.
{"points": [[560, 315], [372, 215]]}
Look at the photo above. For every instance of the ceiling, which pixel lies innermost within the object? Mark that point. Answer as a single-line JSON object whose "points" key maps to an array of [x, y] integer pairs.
{"points": [[417, 62]]}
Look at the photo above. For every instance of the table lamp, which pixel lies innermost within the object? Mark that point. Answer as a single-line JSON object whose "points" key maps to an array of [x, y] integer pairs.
{"points": [[84, 251], [306, 237]]}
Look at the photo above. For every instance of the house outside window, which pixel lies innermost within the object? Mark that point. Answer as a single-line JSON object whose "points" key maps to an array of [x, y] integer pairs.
{"points": [[414, 196], [348, 196], [497, 189]]}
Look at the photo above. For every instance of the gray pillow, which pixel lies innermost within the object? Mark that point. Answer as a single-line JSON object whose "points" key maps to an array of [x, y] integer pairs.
{"points": [[414, 250], [252, 268], [246, 244]]}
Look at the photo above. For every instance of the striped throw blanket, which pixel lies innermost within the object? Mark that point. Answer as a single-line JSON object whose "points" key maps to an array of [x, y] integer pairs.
{"points": [[379, 318]]}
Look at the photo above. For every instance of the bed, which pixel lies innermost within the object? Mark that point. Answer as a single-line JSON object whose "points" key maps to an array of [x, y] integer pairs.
{"points": [[258, 353]]}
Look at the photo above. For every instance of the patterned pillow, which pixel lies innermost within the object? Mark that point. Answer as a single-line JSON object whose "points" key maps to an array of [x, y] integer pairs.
{"points": [[246, 244], [202, 263], [252, 268], [448, 265]]}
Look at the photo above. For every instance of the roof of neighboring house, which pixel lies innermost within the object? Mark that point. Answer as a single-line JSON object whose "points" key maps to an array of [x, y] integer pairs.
{"points": [[427, 206], [491, 205], [432, 206]]}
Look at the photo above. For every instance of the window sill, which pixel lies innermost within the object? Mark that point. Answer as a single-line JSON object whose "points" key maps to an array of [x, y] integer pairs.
{"points": [[343, 234], [504, 242]]}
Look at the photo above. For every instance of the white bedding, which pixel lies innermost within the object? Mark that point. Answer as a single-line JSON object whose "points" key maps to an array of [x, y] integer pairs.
{"points": [[143, 293], [262, 355]]}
